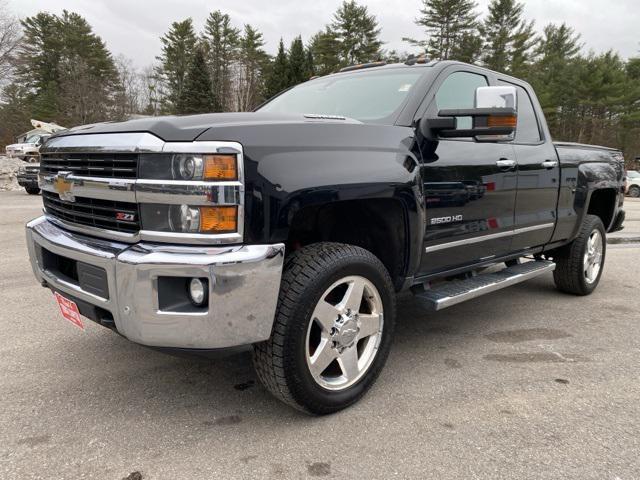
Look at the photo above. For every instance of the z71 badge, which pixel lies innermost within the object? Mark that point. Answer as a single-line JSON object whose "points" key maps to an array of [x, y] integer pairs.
{"points": [[127, 217], [449, 219]]}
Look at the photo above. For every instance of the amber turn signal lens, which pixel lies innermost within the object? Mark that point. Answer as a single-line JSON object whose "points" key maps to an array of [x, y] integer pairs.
{"points": [[220, 167], [218, 219], [500, 121]]}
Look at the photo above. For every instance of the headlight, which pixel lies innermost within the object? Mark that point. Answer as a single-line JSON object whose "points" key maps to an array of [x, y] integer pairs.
{"points": [[192, 192], [189, 166], [189, 219], [184, 219]]}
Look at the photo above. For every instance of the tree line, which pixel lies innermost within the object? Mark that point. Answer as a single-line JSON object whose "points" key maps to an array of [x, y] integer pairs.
{"points": [[55, 68]]}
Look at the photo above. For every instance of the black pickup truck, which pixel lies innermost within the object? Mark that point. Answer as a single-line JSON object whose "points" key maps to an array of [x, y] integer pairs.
{"points": [[291, 229]]}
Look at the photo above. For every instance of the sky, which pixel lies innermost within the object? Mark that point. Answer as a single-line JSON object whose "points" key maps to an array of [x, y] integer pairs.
{"points": [[133, 27]]}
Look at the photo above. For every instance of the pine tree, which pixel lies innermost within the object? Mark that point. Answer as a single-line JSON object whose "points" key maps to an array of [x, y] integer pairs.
{"points": [[629, 130], [468, 49], [88, 75], [557, 49], [633, 68], [69, 74], [78, 40], [309, 63], [14, 112], [447, 24], [552, 76], [508, 38], [41, 51], [277, 78], [325, 49], [557, 45], [252, 62], [196, 95], [521, 52], [178, 46], [297, 72], [357, 33], [222, 41]]}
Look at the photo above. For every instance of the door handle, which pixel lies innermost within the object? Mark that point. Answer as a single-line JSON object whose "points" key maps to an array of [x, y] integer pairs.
{"points": [[548, 164], [505, 164]]}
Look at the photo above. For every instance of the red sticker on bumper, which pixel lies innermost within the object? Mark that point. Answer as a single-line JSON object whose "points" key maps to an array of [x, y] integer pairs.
{"points": [[69, 310]]}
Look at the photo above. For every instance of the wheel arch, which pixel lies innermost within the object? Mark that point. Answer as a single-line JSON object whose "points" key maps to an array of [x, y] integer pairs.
{"points": [[598, 191], [602, 203], [379, 225]]}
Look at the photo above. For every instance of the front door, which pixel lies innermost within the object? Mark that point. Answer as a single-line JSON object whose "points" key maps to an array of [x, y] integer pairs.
{"points": [[538, 178], [469, 187]]}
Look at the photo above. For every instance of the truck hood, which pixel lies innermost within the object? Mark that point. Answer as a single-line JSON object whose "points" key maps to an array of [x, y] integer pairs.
{"points": [[189, 128]]}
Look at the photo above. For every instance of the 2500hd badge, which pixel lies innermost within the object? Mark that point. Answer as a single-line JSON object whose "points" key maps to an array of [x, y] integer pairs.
{"points": [[449, 219]]}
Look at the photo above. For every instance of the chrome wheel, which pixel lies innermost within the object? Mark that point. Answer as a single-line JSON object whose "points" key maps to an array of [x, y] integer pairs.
{"points": [[593, 257], [344, 333]]}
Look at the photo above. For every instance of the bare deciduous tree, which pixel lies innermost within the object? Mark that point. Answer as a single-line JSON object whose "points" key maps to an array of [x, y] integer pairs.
{"points": [[152, 91], [129, 91], [81, 99], [9, 41]]}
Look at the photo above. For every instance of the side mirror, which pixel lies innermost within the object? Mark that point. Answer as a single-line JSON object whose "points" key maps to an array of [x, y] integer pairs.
{"points": [[494, 117], [496, 97]]}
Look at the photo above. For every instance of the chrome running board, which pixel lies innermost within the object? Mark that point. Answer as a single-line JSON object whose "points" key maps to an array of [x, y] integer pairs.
{"points": [[457, 291]]}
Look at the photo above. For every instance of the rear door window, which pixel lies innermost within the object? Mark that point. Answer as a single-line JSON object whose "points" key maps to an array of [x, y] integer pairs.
{"points": [[527, 130]]}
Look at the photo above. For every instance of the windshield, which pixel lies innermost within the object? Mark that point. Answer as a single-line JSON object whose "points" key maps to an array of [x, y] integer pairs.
{"points": [[32, 139], [368, 97]]}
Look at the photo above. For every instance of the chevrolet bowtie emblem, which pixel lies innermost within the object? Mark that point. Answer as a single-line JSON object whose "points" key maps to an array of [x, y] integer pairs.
{"points": [[62, 185]]}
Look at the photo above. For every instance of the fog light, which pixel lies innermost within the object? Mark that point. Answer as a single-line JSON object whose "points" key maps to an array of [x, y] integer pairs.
{"points": [[198, 291]]}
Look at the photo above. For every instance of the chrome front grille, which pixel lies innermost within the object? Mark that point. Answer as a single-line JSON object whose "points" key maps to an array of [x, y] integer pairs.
{"points": [[106, 214], [95, 184], [102, 165]]}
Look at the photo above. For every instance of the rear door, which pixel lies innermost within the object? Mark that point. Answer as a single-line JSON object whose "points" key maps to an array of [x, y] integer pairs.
{"points": [[538, 176], [469, 187]]}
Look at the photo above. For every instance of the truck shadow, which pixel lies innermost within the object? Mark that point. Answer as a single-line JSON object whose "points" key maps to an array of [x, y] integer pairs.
{"points": [[225, 393]]}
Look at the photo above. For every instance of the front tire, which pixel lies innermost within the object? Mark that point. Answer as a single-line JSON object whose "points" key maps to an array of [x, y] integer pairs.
{"points": [[579, 265], [32, 190], [634, 191], [332, 331]]}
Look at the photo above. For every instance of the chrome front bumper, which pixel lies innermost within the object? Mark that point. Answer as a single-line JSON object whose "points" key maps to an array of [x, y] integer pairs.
{"points": [[243, 286]]}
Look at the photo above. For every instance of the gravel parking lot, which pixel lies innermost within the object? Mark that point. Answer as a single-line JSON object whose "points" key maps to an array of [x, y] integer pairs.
{"points": [[522, 383]]}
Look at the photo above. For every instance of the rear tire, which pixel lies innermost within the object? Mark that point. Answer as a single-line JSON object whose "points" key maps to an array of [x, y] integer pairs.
{"points": [[579, 265], [314, 326], [634, 191], [32, 190]]}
